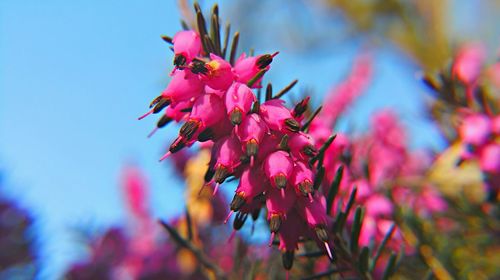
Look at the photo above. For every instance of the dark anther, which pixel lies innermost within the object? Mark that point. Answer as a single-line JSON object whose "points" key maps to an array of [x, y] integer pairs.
{"points": [[161, 105], [189, 128], [321, 233], [275, 223], [239, 221], [280, 181], [287, 258], [310, 151], [206, 135], [209, 174], [238, 201], [156, 100], [264, 60], [292, 124], [306, 187], [236, 116], [301, 107], [198, 66], [179, 60], [256, 214], [163, 121], [252, 148], [177, 145], [221, 173]]}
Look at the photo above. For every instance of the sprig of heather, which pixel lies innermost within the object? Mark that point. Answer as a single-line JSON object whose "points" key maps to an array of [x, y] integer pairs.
{"points": [[263, 143]]}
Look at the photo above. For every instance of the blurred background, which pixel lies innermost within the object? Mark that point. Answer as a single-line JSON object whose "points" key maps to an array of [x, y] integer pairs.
{"points": [[75, 75]]}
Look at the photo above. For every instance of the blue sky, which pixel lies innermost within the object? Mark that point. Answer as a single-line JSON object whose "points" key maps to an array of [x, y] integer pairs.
{"points": [[74, 76]]}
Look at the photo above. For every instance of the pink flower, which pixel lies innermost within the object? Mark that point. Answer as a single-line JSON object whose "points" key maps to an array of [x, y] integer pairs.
{"points": [[183, 86], [278, 117], [251, 184], [314, 212], [187, 45], [278, 205], [251, 132], [302, 146], [278, 167], [220, 74], [247, 67], [227, 152], [239, 100], [302, 179], [135, 189], [468, 62], [341, 97], [475, 129], [290, 231], [378, 206], [490, 158]]}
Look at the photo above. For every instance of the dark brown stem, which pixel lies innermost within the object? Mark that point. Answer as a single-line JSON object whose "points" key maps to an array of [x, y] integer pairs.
{"points": [[199, 254]]}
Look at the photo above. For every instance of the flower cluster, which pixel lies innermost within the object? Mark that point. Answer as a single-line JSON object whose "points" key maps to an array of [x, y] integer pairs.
{"points": [[264, 145]]}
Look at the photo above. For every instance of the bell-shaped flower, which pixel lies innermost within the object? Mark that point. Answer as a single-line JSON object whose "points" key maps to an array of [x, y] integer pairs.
{"points": [[239, 100], [251, 132], [278, 117], [219, 75], [278, 167], [187, 45]]}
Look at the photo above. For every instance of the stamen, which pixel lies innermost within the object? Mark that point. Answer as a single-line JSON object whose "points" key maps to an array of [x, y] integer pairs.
{"points": [[252, 161], [228, 216], [310, 197], [231, 237], [216, 188], [165, 156], [145, 115], [152, 132], [271, 239], [328, 250], [283, 193]]}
